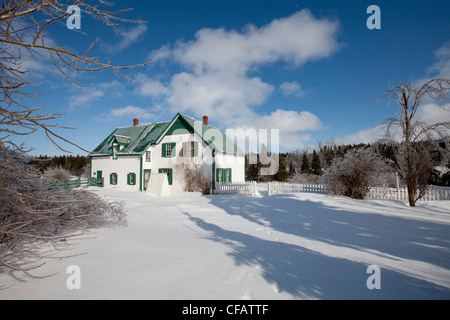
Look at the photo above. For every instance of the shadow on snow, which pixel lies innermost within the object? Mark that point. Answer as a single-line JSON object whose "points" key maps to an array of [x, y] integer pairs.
{"points": [[305, 273]]}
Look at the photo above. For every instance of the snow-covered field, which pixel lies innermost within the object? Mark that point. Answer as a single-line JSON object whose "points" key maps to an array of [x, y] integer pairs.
{"points": [[297, 246]]}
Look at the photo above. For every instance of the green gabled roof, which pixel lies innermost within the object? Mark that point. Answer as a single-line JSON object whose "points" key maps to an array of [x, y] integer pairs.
{"points": [[136, 139], [222, 148], [122, 139], [151, 137]]}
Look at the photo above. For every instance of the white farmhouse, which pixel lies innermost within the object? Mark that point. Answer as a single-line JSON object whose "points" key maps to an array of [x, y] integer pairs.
{"points": [[125, 159]]}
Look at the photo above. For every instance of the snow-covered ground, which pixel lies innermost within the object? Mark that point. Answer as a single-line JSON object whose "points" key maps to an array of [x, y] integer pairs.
{"points": [[297, 246]]}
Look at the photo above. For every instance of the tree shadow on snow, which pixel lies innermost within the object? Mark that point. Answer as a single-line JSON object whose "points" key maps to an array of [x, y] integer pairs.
{"points": [[308, 274], [402, 237]]}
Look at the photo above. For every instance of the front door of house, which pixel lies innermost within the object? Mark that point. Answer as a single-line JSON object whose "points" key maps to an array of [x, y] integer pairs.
{"points": [[99, 178], [146, 177]]}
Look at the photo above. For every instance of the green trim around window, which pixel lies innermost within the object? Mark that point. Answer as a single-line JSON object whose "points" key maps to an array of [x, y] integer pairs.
{"points": [[131, 179], [164, 150], [113, 179], [223, 175]]}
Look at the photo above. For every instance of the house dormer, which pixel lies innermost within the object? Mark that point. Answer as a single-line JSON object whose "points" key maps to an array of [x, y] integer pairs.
{"points": [[122, 141]]}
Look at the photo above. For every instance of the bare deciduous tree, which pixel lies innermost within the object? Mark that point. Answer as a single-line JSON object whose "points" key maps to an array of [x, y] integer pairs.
{"points": [[196, 176], [23, 29], [31, 208], [413, 164]]}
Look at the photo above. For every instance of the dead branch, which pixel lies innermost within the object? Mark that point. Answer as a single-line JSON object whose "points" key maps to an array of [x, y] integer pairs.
{"points": [[22, 30]]}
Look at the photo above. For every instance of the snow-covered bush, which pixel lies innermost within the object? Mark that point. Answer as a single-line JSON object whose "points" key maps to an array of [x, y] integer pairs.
{"points": [[33, 209], [58, 173], [353, 174], [304, 178]]}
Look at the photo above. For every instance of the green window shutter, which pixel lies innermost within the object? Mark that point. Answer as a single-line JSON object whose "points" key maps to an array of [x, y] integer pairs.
{"points": [[195, 148], [229, 175], [173, 150], [163, 153], [224, 175], [131, 179], [159, 170], [218, 170], [113, 178]]}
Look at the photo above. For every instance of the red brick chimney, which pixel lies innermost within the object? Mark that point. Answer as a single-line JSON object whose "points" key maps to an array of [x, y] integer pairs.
{"points": [[205, 120], [135, 122]]}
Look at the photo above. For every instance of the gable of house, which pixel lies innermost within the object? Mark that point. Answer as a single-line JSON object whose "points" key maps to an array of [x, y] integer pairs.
{"points": [[182, 124]]}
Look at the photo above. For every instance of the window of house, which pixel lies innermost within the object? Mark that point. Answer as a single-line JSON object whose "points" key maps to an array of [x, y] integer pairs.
{"points": [[223, 175], [131, 179], [190, 148], [113, 178], [148, 156], [168, 150]]}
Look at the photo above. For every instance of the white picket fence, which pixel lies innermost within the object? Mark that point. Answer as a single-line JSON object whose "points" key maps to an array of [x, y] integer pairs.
{"points": [[433, 193], [285, 187], [273, 188], [247, 188]]}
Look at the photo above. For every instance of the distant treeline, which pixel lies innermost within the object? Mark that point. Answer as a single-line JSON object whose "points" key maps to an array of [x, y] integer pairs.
{"points": [[76, 165], [296, 165], [303, 166]]}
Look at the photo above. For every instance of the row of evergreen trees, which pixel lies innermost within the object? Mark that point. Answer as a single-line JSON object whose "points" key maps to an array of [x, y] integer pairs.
{"points": [[291, 164], [76, 165], [314, 163]]}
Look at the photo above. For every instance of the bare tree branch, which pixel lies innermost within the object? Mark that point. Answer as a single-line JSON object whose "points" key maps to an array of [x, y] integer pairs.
{"points": [[22, 28]]}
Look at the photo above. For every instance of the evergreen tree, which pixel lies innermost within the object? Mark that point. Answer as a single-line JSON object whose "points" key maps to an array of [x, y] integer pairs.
{"points": [[291, 169], [315, 164], [282, 174], [252, 169], [252, 173], [306, 167]]}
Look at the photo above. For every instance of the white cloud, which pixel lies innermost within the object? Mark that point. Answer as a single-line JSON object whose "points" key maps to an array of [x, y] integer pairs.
{"points": [[224, 95], [290, 121], [292, 89], [162, 53], [429, 113], [216, 79], [130, 112], [128, 38], [85, 97], [432, 113], [441, 68], [151, 87], [290, 124], [296, 39], [370, 135]]}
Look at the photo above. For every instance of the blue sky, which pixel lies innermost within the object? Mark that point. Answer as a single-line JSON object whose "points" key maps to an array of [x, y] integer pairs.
{"points": [[311, 69]]}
